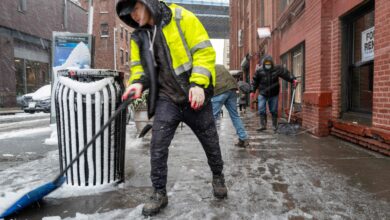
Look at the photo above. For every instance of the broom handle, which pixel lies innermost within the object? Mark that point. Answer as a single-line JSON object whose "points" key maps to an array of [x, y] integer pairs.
{"points": [[108, 123], [291, 106]]}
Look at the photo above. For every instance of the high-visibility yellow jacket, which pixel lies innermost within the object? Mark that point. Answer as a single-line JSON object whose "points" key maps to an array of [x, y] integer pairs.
{"points": [[189, 47]]}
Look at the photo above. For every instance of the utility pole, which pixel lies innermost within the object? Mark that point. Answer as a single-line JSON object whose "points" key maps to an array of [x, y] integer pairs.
{"points": [[65, 15], [90, 17], [115, 49]]}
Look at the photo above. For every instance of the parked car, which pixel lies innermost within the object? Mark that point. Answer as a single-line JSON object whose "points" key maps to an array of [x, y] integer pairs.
{"points": [[38, 101], [23, 100]]}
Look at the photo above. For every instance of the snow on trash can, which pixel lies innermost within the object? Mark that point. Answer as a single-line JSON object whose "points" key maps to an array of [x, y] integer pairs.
{"points": [[84, 100]]}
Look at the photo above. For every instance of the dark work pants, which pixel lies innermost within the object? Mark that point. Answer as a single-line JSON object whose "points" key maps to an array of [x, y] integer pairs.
{"points": [[167, 118]]}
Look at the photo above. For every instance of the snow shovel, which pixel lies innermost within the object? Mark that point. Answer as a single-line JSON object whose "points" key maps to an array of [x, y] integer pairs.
{"points": [[288, 128], [37, 194], [145, 130]]}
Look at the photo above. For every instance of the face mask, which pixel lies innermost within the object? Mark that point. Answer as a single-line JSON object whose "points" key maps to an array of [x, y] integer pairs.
{"points": [[267, 66]]}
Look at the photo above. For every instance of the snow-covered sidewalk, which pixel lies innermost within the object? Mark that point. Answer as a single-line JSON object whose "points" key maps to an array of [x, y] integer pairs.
{"points": [[277, 177]]}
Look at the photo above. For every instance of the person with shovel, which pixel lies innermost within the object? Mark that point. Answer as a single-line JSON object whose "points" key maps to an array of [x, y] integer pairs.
{"points": [[266, 79], [172, 56], [226, 94]]}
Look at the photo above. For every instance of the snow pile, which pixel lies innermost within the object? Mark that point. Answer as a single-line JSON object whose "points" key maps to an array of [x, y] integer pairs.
{"points": [[67, 191], [53, 140], [52, 218], [24, 132], [23, 115], [117, 214], [86, 88], [42, 93], [16, 181]]}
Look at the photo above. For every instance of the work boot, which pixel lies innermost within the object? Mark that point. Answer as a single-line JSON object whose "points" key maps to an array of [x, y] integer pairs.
{"points": [[263, 123], [157, 201], [242, 143], [219, 188], [274, 122]]}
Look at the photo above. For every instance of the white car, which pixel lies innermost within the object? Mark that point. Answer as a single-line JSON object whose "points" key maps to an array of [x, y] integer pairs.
{"points": [[39, 100]]}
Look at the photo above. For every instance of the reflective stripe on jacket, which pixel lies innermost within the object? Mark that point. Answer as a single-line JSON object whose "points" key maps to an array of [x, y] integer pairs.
{"points": [[189, 47]]}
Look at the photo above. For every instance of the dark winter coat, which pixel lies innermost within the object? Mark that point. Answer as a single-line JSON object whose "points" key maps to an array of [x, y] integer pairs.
{"points": [[267, 81]]}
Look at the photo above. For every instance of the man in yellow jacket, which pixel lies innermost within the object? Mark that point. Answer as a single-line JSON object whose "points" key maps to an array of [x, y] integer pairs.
{"points": [[171, 55]]}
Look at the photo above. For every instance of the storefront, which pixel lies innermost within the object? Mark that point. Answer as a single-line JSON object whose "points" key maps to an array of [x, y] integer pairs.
{"points": [[30, 75]]}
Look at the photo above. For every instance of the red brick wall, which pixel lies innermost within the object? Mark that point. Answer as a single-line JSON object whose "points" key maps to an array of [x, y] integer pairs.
{"points": [[104, 46], [41, 17], [381, 100], [335, 71], [289, 36], [319, 27]]}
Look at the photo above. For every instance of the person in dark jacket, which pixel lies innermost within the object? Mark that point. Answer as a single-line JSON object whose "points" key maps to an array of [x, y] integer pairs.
{"points": [[242, 102], [225, 94], [172, 56], [266, 79]]}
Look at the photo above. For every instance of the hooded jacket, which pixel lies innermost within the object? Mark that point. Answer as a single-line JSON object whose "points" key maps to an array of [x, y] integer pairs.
{"points": [[187, 51], [267, 81]]}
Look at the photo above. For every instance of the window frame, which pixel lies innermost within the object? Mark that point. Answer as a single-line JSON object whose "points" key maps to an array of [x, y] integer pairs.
{"points": [[103, 32], [348, 63]]}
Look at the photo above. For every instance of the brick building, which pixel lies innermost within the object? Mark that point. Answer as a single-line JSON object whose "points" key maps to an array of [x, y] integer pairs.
{"points": [[329, 44], [111, 37], [25, 42]]}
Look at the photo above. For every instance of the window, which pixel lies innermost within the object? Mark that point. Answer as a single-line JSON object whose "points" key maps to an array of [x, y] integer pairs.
{"points": [[20, 75], [121, 32], [127, 58], [104, 30], [240, 37], [127, 35], [283, 5], [294, 61], [22, 5], [103, 6], [285, 99], [297, 70], [121, 57], [358, 63], [30, 75], [262, 13]]}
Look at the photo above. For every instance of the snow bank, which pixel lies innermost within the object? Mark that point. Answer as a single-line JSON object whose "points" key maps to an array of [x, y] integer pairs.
{"points": [[23, 132], [53, 140], [117, 214], [66, 191], [23, 115]]}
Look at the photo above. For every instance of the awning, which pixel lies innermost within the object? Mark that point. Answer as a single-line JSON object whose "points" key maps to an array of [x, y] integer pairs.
{"points": [[235, 72]]}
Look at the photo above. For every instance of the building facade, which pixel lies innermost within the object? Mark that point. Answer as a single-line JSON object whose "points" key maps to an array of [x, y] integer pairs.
{"points": [[111, 37], [25, 42], [329, 46]]}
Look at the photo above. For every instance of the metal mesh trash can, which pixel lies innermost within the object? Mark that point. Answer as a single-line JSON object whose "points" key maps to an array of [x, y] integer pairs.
{"points": [[84, 100]]}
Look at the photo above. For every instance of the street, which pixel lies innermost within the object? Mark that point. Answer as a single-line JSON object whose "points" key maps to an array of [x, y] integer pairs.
{"points": [[22, 137], [277, 177]]}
